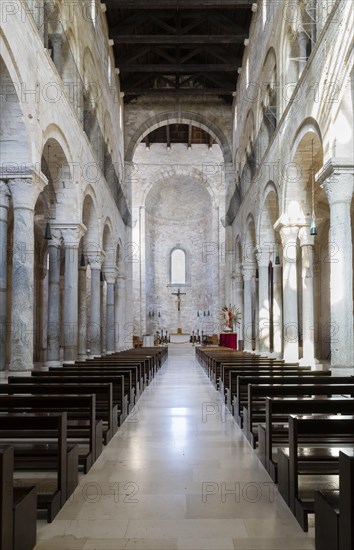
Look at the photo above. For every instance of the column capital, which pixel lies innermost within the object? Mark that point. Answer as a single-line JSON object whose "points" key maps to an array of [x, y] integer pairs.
{"points": [[305, 238], [248, 272], [4, 195], [56, 240], [25, 191], [110, 274], [288, 234], [72, 234], [263, 257], [56, 38], [336, 177], [95, 259]]}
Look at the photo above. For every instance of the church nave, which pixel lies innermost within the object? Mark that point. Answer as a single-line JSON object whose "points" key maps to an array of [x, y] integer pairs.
{"points": [[178, 474]]}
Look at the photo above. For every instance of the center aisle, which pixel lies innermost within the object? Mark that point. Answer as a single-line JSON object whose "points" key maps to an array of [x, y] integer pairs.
{"points": [[178, 475]]}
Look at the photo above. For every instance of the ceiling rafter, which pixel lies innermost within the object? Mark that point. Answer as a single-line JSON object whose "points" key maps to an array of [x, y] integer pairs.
{"points": [[179, 4], [179, 39], [187, 68], [179, 46]]}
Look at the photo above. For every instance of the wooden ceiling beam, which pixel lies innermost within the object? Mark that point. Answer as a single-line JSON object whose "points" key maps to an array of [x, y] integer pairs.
{"points": [[178, 91], [188, 68], [178, 4], [179, 39]]}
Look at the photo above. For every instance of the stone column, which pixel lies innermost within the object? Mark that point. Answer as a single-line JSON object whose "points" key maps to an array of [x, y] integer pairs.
{"points": [[277, 310], [338, 183], [302, 41], [120, 313], [248, 273], [95, 313], [308, 307], [237, 283], [72, 236], [289, 236], [57, 42], [110, 311], [53, 338], [24, 197], [82, 312], [263, 302], [4, 205], [103, 314]]}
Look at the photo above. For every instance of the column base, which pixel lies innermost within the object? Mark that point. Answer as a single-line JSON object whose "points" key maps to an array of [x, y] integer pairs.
{"points": [[48, 364], [312, 362]]}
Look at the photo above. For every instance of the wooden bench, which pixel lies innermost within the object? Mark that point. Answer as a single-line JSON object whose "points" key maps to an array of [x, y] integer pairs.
{"points": [[23, 431], [231, 391], [121, 383], [304, 469], [253, 411], [275, 431], [106, 410], [18, 508], [334, 511], [133, 374], [82, 428]]}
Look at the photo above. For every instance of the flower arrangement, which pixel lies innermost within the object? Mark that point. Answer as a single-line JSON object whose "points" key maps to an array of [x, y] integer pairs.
{"points": [[231, 315]]}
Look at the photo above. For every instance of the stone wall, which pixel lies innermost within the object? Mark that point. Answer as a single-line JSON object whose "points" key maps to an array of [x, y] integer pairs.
{"points": [[178, 201]]}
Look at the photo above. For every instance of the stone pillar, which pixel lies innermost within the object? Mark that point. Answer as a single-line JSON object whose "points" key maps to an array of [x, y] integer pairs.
{"points": [[237, 284], [72, 236], [54, 326], [110, 312], [302, 41], [24, 197], [277, 310], [308, 307], [120, 314], [338, 183], [103, 314], [95, 313], [57, 42], [263, 302], [82, 312], [289, 236], [4, 205], [248, 273]]}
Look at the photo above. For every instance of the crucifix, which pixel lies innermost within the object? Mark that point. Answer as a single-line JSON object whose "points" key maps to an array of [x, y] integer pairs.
{"points": [[178, 294]]}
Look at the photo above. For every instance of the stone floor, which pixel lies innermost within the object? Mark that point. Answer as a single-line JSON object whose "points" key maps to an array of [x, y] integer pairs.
{"points": [[178, 475]]}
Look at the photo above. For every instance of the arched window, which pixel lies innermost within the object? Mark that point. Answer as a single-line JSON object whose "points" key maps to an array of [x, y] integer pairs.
{"points": [[178, 267]]}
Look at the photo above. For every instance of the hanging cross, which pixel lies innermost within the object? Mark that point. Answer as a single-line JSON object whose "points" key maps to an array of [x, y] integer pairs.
{"points": [[178, 294]]}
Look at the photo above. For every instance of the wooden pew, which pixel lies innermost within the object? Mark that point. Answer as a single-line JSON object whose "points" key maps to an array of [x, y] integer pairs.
{"points": [[122, 379], [132, 372], [254, 410], [23, 432], [106, 410], [318, 465], [275, 431], [18, 508], [334, 510], [231, 391], [82, 429]]}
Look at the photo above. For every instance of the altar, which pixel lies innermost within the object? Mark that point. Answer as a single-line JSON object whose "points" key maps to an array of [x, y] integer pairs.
{"points": [[179, 338], [228, 340]]}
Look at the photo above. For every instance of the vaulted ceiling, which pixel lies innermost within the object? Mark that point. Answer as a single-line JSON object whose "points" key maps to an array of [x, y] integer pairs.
{"points": [[178, 47]]}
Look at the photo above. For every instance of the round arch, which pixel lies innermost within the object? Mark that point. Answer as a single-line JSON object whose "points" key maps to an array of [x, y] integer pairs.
{"points": [[184, 117], [14, 141], [268, 215], [295, 199]]}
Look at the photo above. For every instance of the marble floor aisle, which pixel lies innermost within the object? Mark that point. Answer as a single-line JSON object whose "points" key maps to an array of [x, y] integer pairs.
{"points": [[178, 475]]}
